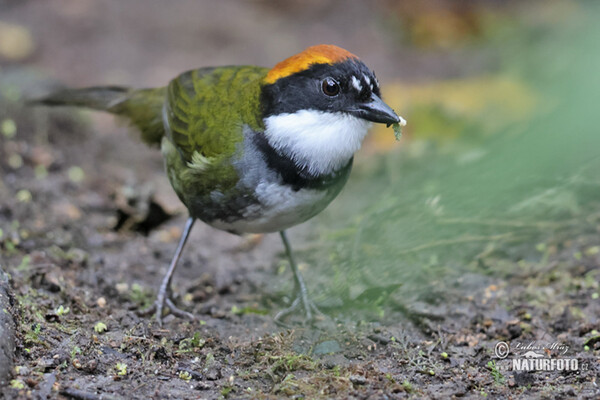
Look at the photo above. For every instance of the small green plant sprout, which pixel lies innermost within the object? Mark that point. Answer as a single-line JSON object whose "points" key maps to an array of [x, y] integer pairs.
{"points": [[17, 384], [541, 247], [246, 310], [196, 342], [591, 251], [8, 128], [75, 350], [40, 171], [498, 377], [140, 296], [397, 126], [25, 262], [186, 376], [226, 390], [62, 310], [100, 327], [33, 335], [121, 369], [76, 174], [590, 341], [24, 196], [210, 359]]}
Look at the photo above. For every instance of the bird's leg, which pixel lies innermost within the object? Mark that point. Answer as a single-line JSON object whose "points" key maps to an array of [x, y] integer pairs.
{"points": [[164, 292], [302, 298]]}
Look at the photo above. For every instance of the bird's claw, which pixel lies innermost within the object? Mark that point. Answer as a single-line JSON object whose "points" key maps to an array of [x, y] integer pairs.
{"points": [[311, 311], [164, 301]]}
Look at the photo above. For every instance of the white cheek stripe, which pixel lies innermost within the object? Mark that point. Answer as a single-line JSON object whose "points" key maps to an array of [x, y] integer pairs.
{"points": [[321, 141]]}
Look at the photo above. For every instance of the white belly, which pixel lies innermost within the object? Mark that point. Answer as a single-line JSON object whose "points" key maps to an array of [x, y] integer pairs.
{"points": [[280, 207]]}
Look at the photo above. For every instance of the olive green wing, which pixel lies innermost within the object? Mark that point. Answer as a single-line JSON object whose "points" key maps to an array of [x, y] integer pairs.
{"points": [[205, 112], [206, 109]]}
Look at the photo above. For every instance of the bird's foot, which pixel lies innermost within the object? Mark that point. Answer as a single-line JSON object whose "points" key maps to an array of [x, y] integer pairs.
{"points": [[302, 301], [163, 300]]}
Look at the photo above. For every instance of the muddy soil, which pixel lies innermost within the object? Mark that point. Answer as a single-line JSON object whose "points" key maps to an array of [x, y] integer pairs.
{"points": [[89, 222]]}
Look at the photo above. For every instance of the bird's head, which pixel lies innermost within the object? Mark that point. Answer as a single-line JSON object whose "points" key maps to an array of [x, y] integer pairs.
{"points": [[319, 104]]}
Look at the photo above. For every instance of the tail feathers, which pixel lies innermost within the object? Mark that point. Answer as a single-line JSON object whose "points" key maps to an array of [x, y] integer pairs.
{"points": [[102, 98], [143, 107]]}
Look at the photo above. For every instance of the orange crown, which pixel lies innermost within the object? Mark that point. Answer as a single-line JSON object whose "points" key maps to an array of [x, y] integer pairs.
{"points": [[319, 54]]}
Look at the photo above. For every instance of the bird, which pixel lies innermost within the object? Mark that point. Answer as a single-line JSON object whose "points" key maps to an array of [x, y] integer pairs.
{"points": [[249, 149]]}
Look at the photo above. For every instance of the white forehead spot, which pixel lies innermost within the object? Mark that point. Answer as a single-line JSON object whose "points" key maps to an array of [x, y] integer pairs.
{"points": [[356, 83], [368, 81]]}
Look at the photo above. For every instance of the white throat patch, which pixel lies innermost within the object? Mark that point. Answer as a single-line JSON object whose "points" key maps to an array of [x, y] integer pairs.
{"points": [[321, 141]]}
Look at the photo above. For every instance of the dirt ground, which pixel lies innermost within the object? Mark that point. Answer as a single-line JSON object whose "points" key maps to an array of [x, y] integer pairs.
{"points": [[88, 224]]}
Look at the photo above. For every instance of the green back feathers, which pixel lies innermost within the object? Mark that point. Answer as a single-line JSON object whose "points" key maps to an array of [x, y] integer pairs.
{"points": [[207, 108]]}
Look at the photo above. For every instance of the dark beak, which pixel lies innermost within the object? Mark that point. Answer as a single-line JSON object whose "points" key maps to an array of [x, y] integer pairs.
{"points": [[375, 110]]}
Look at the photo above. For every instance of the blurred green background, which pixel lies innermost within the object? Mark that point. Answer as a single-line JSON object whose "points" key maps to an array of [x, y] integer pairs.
{"points": [[499, 160], [499, 169]]}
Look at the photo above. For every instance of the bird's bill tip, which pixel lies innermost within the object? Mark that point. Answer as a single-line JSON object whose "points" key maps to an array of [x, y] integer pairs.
{"points": [[376, 110]]}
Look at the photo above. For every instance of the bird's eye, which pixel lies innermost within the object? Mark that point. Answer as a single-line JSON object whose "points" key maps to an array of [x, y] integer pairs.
{"points": [[330, 87]]}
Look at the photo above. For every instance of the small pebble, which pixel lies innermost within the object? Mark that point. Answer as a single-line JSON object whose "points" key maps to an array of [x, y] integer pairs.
{"points": [[358, 379], [327, 347]]}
